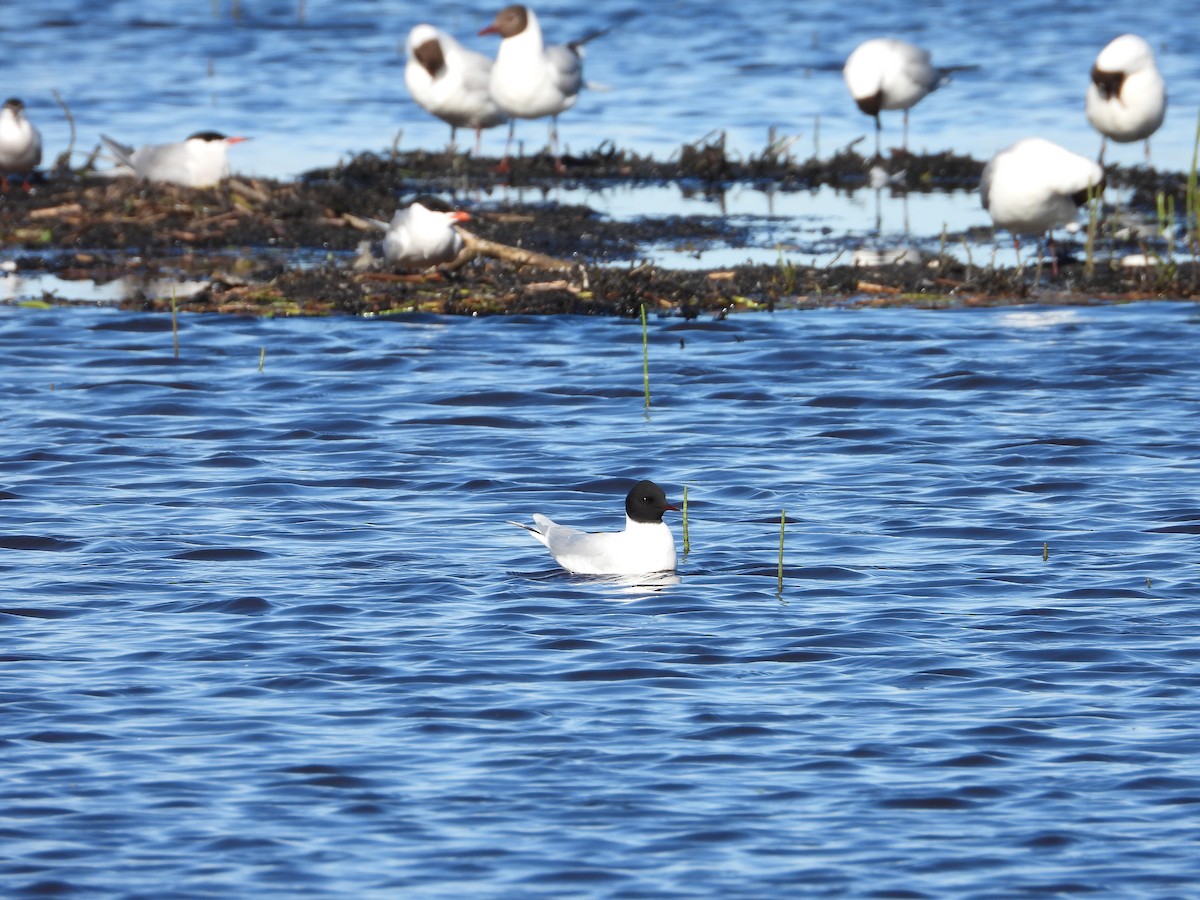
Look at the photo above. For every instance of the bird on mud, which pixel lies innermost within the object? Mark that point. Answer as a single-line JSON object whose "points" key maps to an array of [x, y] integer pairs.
{"points": [[199, 161], [20, 143], [1126, 98], [887, 73], [645, 546], [1035, 186], [422, 234], [451, 82]]}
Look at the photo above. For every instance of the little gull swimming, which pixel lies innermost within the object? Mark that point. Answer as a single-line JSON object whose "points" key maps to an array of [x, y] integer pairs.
{"points": [[645, 546]]}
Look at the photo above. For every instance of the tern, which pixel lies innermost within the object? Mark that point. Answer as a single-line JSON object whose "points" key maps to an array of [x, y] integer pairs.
{"points": [[422, 234], [645, 546], [451, 82], [20, 143], [199, 161], [1126, 97]]}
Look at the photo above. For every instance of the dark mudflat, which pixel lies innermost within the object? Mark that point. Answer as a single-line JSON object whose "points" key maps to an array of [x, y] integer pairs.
{"points": [[287, 248]]}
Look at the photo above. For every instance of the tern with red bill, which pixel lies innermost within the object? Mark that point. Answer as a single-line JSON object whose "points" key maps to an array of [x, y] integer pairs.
{"points": [[201, 160], [422, 234]]}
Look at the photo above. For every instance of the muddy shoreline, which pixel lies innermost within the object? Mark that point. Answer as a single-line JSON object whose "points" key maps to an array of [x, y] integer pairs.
{"points": [[262, 247]]}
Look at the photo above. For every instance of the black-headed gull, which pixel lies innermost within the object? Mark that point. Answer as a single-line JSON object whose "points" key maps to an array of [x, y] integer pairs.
{"points": [[530, 80], [887, 73], [1035, 186], [450, 81], [422, 234], [20, 142], [645, 546], [1126, 98], [199, 161]]}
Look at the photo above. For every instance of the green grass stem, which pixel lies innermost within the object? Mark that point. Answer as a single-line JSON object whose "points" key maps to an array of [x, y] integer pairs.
{"points": [[645, 358], [174, 325], [687, 544], [782, 529]]}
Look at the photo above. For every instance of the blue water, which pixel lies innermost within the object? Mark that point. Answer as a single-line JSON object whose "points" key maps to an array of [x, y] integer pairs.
{"points": [[312, 90], [266, 633]]}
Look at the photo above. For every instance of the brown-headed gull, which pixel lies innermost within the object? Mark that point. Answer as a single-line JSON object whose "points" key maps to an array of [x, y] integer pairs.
{"points": [[422, 234], [20, 143], [199, 161], [645, 546], [1126, 98], [450, 81], [530, 80], [1035, 186], [887, 73]]}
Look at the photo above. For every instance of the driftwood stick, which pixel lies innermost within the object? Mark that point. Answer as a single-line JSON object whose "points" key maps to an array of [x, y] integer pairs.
{"points": [[477, 246]]}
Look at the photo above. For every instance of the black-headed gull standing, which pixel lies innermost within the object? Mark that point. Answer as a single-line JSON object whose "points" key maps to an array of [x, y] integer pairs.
{"points": [[887, 73], [646, 545], [422, 234], [1126, 98], [1035, 186], [20, 143], [530, 80], [201, 160], [450, 81]]}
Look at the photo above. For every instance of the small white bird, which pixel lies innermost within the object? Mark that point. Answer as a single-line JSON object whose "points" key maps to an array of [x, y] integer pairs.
{"points": [[886, 73], [450, 81], [530, 80], [200, 161], [1126, 98], [1035, 186], [422, 234], [20, 143], [645, 546]]}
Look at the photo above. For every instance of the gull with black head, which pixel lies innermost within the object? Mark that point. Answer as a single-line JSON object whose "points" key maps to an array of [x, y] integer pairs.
{"points": [[645, 546]]}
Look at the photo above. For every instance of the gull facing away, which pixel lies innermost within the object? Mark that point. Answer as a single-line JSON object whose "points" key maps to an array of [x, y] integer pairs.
{"points": [[1126, 98], [199, 161], [530, 80], [20, 143], [1035, 186], [646, 545], [451, 82], [886, 73], [422, 234]]}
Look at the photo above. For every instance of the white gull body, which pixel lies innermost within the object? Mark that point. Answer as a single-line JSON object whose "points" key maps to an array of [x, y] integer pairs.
{"points": [[1034, 186], [20, 141], [530, 80], [450, 81], [199, 161], [1126, 97], [645, 546]]}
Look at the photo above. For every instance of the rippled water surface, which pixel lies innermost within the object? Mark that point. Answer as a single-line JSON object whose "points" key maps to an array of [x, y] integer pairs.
{"points": [[266, 632]]}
